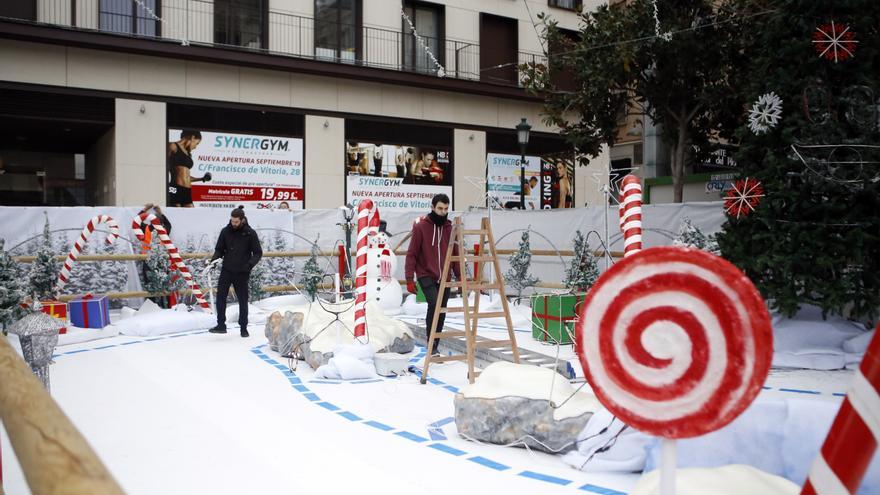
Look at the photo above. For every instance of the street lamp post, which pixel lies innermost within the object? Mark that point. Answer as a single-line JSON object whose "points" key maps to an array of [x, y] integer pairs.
{"points": [[522, 137]]}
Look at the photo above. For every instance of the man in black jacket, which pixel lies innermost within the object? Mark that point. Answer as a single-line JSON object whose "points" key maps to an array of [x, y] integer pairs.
{"points": [[240, 249]]}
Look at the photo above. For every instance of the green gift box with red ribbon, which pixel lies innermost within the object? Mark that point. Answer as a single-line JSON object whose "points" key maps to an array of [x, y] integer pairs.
{"points": [[553, 316], [90, 311]]}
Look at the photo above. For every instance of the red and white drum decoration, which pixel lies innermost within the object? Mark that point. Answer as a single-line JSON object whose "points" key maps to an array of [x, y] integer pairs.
{"points": [[677, 343]]}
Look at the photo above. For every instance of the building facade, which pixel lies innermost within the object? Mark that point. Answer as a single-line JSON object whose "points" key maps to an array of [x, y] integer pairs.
{"points": [[278, 103]]}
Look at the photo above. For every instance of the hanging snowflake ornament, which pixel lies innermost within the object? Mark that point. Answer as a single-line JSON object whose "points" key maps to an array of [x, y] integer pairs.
{"points": [[834, 42], [765, 113], [743, 198]]}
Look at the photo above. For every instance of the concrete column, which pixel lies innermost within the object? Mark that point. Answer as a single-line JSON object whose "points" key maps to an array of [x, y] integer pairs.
{"points": [[324, 162], [589, 180], [140, 139], [469, 160]]}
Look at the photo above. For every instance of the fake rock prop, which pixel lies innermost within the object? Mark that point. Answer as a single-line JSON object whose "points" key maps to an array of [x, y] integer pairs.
{"points": [[510, 404], [318, 334]]}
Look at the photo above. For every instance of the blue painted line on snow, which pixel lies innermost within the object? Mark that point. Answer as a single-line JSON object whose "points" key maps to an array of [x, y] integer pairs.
{"points": [[328, 382], [367, 381], [178, 335], [378, 425], [411, 436], [328, 406], [154, 339], [799, 391], [443, 422], [442, 447], [767, 388], [350, 416], [488, 463], [434, 431], [600, 490], [838, 394], [544, 477], [105, 347], [76, 351], [436, 434], [132, 343]]}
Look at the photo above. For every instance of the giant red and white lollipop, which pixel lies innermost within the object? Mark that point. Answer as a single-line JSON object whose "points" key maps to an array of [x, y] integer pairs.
{"points": [[675, 342]]}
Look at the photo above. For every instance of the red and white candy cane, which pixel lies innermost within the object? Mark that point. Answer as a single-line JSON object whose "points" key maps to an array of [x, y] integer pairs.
{"points": [[631, 214], [852, 440], [173, 253], [365, 208], [678, 342], [76, 250]]}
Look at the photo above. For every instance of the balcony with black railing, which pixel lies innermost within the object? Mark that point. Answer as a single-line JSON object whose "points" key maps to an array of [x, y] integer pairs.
{"points": [[210, 23]]}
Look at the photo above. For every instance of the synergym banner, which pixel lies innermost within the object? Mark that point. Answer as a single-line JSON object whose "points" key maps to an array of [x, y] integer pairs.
{"points": [[223, 169], [548, 184], [397, 177]]}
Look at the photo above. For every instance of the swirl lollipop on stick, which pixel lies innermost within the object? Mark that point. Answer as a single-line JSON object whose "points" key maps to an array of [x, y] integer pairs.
{"points": [[677, 344]]}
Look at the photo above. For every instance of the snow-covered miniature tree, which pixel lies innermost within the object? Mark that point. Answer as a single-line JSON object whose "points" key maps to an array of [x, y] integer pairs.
{"points": [[157, 274], [257, 279], [583, 270], [12, 293], [312, 274], [280, 269], [44, 269], [113, 275], [689, 235], [518, 275]]}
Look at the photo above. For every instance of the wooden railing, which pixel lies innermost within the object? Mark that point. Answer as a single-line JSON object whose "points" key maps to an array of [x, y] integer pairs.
{"points": [[54, 456]]}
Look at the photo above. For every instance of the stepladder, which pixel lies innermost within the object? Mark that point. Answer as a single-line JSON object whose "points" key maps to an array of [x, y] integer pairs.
{"points": [[485, 258]]}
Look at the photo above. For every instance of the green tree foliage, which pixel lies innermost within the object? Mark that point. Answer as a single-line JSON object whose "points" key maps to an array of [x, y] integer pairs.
{"points": [[815, 235], [682, 81]]}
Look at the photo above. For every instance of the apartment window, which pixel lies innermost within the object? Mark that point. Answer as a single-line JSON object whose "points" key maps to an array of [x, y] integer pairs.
{"points": [[337, 29], [498, 49], [566, 4], [241, 22], [428, 20], [129, 17]]}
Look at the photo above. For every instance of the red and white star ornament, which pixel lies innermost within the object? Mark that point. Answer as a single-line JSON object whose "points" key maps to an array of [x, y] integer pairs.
{"points": [[743, 198], [834, 42]]}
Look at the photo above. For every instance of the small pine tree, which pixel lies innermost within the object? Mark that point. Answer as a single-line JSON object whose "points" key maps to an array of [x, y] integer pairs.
{"points": [[518, 275], [44, 269], [157, 274], [11, 291], [312, 274], [689, 235], [257, 279], [583, 270]]}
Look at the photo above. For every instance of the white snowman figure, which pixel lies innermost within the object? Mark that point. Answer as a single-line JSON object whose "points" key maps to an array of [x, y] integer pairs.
{"points": [[382, 287]]}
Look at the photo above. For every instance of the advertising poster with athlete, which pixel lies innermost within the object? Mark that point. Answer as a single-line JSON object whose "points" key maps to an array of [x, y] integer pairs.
{"points": [[223, 169], [549, 181], [397, 177]]}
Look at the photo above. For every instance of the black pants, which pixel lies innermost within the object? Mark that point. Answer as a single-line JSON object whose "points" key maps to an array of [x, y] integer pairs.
{"points": [[239, 281], [431, 288]]}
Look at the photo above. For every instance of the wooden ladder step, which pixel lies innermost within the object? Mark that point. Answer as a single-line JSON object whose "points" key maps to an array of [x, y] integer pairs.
{"points": [[471, 258], [455, 357], [454, 334], [472, 286], [474, 232], [489, 314]]}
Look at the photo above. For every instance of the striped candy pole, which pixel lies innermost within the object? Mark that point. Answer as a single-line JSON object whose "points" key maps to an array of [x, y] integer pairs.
{"points": [[631, 214], [173, 253], [852, 440], [360, 278], [64, 275], [374, 221]]}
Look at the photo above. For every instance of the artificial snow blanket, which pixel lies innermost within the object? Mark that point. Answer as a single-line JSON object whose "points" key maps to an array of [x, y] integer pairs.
{"points": [[727, 480], [349, 362], [164, 321], [809, 342], [77, 335], [607, 444]]}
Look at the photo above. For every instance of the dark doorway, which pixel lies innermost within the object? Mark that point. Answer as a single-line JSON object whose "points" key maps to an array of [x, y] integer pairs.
{"points": [[498, 49]]}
